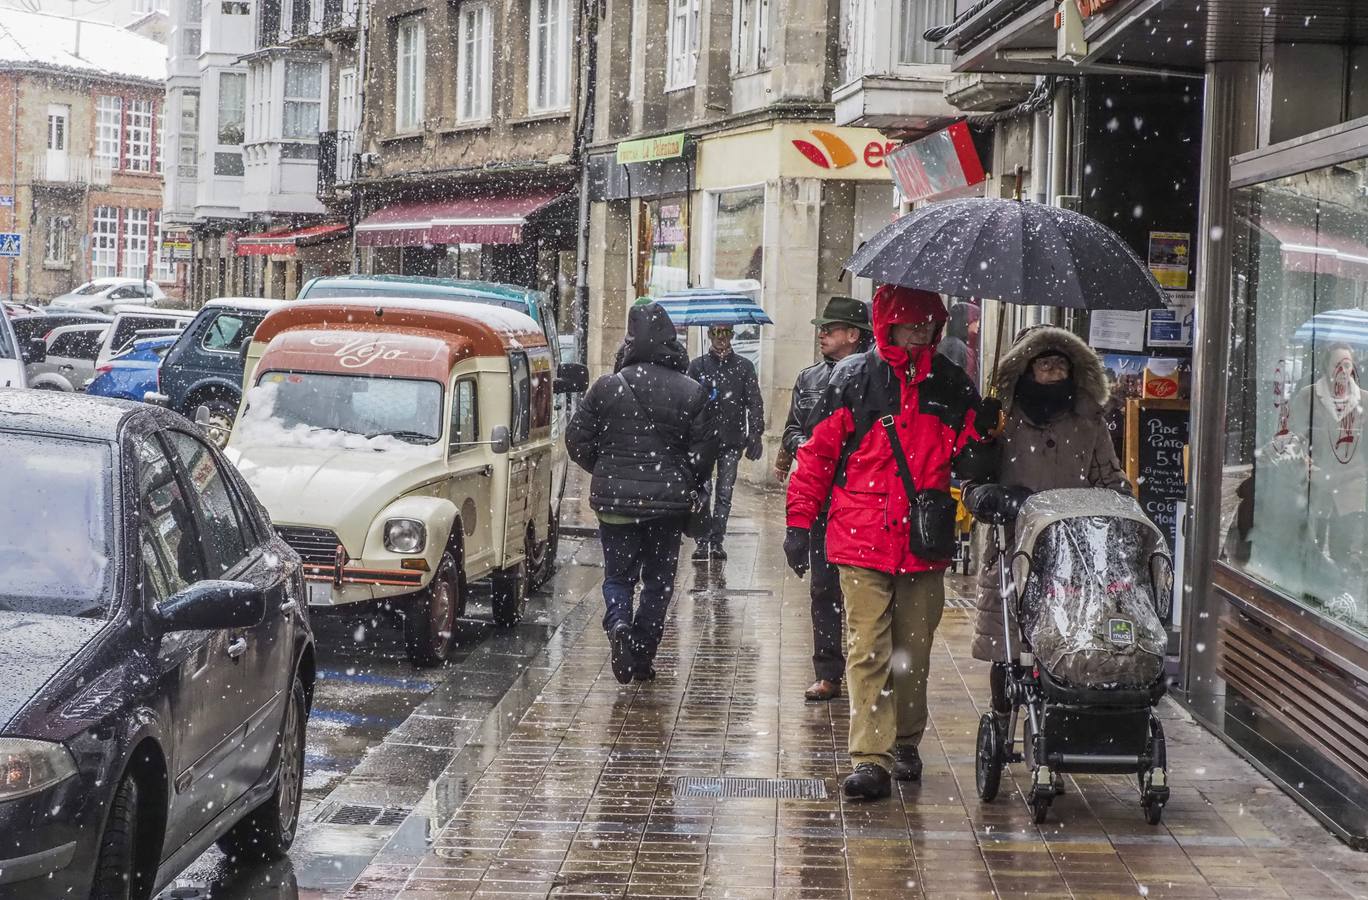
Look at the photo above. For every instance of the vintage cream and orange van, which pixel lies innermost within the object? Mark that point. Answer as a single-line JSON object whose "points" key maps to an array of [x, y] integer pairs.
{"points": [[403, 448]]}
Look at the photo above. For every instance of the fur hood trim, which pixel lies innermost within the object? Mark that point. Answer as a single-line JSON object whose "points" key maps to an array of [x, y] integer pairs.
{"points": [[1090, 381]]}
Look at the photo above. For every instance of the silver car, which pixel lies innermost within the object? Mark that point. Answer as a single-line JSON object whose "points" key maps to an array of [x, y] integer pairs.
{"points": [[69, 361]]}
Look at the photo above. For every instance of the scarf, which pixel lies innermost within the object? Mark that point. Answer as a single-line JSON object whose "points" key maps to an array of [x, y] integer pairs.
{"points": [[1043, 403]]}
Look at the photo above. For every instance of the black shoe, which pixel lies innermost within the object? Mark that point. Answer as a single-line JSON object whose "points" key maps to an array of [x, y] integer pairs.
{"points": [[702, 553], [620, 637], [718, 552], [867, 782], [907, 763], [641, 675]]}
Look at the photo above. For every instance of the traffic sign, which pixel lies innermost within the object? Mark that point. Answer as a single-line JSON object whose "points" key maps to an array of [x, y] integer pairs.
{"points": [[11, 243], [6, 199]]}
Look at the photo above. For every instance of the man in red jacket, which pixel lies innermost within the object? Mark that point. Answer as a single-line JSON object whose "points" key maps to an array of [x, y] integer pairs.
{"points": [[894, 598]]}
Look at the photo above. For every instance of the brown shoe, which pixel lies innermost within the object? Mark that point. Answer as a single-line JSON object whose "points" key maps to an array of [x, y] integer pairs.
{"points": [[822, 690]]}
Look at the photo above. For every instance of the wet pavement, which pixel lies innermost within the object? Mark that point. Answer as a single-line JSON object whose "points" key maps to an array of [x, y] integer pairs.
{"points": [[526, 770]]}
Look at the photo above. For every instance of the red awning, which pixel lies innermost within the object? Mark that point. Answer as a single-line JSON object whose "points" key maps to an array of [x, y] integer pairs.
{"points": [[284, 241], [1305, 249], [464, 220]]}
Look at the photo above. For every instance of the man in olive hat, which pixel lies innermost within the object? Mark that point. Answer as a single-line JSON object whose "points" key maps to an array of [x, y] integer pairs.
{"points": [[843, 329]]}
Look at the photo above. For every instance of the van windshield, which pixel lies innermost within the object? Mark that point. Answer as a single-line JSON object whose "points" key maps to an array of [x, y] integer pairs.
{"points": [[312, 404]]}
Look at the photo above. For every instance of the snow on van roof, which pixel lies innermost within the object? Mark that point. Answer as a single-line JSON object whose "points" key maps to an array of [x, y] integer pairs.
{"points": [[254, 304], [43, 39], [507, 322]]}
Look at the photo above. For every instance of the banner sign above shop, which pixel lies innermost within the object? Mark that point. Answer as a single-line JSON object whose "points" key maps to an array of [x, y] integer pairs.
{"points": [[937, 164], [666, 146]]}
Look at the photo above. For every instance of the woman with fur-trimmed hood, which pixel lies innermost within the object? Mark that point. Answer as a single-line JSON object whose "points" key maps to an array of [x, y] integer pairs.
{"points": [[1053, 390]]}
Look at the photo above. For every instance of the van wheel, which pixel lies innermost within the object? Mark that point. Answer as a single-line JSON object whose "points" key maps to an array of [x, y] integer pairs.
{"points": [[115, 870], [267, 832], [430, 621], [541, 557], [221, 415], [510, 593]]}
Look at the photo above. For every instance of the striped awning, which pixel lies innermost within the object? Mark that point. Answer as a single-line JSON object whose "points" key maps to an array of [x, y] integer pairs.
{"points": [[709, 306], [286, 241], [1349, 326], [470, 219]]}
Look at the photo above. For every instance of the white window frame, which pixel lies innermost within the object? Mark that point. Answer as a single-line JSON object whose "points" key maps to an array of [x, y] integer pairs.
{"points": [[187, 138], [548, 50], [190, 27], [59, 127], [348, 119], [410, 58], [681, 64], [636, 73], [163, 270], [474, 61], [109, 129], [56, 250], [136, 229], [292, 101], [104, 242], [750, 36], [139, 116]]}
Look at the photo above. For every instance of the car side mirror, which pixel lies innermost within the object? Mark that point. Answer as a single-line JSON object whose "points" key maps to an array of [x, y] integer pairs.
{"points": [[37, 351], [572, 378], [213, 606], [501, 440]]}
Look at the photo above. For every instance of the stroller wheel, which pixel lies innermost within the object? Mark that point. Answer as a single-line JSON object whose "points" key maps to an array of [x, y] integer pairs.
{"points": [[988, 760], [1154, 811], [1040, 806]]}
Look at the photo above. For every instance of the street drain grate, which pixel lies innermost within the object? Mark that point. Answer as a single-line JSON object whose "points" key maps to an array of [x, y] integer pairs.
{"points": [[960, 603], [737, 788], [356, 814]]}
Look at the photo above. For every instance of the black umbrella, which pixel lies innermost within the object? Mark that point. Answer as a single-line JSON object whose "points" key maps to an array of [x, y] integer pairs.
{"points": [[1012, 251]]}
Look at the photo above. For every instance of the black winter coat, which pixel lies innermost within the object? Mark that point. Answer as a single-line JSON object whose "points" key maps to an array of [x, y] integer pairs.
{"points": [[735, 390], [807, 392], [648, 453]]}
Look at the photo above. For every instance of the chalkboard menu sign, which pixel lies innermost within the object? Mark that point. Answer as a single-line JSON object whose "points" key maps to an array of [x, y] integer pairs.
{"points": [[1156, 435]]}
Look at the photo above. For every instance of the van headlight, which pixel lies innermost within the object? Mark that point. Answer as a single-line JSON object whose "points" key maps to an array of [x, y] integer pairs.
{"points": [[405, 536], [29, 766]]}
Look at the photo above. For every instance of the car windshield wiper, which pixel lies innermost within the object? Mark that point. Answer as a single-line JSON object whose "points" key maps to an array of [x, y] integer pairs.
{"points": [[413, 437]]}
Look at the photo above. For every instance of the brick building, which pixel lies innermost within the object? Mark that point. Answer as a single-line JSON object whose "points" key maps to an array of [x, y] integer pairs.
{"points": [[80, 155]]}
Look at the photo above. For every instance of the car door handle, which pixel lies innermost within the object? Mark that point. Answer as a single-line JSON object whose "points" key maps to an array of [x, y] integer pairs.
{"points": [[66, 368], [289, 606], [237, 648]]}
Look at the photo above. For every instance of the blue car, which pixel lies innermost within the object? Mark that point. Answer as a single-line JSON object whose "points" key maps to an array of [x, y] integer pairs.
{"points": [[130, 375]]}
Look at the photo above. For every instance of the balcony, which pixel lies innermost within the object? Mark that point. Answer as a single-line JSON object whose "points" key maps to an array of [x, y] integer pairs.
{"points": [[336, 160], [339, 15], [65, 169]]}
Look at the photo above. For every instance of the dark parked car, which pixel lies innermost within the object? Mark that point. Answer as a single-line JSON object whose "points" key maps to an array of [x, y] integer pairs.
{"points": [[156, 659], [204, 368]]}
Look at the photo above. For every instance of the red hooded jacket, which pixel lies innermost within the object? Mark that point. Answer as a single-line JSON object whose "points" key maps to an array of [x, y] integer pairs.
{"points": [[849, 458]]}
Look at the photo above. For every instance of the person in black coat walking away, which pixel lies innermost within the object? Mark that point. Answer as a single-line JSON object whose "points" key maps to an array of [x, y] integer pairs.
{"points": [[843, 329], [647, 435], [735, 393]]}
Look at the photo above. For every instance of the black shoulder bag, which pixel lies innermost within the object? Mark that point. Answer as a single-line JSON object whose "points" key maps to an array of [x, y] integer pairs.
{"points": [[931, 512], [700, 516]]}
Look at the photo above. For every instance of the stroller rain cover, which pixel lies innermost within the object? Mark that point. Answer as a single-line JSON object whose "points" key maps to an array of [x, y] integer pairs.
{"points": [[1088, 611]]}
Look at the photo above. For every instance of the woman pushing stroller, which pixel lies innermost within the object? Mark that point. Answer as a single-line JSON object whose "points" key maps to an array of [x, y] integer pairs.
{"points": [[1053, 390]]}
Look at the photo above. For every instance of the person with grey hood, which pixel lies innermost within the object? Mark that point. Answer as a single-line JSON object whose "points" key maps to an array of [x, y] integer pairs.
{"points": [[647, 435], [1053, 391]]}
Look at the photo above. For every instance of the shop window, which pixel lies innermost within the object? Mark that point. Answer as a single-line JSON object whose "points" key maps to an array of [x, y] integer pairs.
{"points": [[738, 256], [682, 41], [663, 251], [104, 242], [548, 84], [1295, 473], [410, 49]]}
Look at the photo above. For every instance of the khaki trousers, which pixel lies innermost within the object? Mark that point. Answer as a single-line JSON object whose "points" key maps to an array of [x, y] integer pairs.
{"points": [[890, 623]]}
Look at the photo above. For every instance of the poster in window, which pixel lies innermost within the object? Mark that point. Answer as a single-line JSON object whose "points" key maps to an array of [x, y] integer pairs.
{"points": [[1170, 255]]}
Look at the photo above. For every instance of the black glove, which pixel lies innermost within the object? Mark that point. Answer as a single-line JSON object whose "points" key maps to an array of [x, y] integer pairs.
{"points": [[996, 504], [988, 416], [755, 448], [797, 547]]}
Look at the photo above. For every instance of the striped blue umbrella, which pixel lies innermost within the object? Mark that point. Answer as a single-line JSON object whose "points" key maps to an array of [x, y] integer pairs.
{"points": [[709, 306], [1349, 326]]}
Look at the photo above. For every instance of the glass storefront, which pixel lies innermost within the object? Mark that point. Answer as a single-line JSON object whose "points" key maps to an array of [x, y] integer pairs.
{"points": [[1295, 474], [738, 256], [669, 243]]}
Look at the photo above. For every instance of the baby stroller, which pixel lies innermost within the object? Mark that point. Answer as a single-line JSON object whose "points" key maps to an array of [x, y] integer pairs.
{"points": [[1088, 581]]}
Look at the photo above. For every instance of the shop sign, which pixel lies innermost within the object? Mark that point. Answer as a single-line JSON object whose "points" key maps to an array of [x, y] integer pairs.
{"points": [[667, 146], [177, 245], [937, 164], [817, 151]]}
